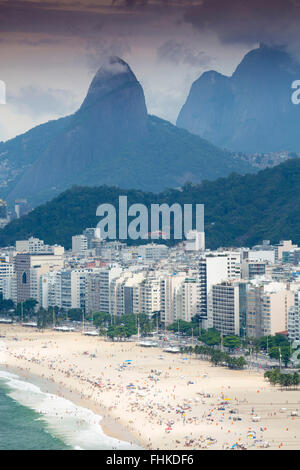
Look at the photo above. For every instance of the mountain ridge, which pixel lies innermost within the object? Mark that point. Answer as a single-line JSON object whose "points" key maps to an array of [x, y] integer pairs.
{"points": [[110, 140], [251, 111], [240, 210]]}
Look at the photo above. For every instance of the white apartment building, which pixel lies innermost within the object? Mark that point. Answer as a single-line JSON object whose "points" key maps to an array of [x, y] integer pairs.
{"points": [[120, 299], [212, 270], [253, 269], [294, 318], [169, 283], [284, 245], [36, 246], [268, 306], [48, 283], [262, 255], [98, 288], [32, 245], [149, 296], [70, 288], [9, 288], [152, 252], [195, 241], [79, 244], [187, 299], [29, 268], [227, 307], [6, 271]]}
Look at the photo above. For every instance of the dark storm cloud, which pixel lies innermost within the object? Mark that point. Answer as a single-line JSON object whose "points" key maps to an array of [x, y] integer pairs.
{"points": [[129, 3], [247, 21], [47, 18], [176, 53], [77, 18]]}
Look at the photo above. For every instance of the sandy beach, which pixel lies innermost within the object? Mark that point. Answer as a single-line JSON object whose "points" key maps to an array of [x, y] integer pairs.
{"points": [[155, 399]]}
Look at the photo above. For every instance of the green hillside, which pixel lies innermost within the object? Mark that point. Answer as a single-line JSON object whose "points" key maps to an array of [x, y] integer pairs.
{"points": [[239, 210]]}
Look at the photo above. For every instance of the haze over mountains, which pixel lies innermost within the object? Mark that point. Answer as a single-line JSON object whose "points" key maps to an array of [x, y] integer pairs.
{"points": [[251, 111], [110, 140]]}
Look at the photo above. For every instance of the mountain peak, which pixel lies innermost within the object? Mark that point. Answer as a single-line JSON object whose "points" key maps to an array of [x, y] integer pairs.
{"points": [[250, 111], [113, 74]]}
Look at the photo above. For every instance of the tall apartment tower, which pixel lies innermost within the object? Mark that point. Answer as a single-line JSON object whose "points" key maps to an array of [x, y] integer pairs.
{"points": [[227, 308]]}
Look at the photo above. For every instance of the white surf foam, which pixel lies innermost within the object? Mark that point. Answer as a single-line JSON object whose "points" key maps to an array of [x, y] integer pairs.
{"points": [[78, 427]]}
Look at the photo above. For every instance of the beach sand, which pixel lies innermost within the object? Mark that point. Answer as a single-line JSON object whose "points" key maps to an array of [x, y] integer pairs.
{"points": [[158, 400]]}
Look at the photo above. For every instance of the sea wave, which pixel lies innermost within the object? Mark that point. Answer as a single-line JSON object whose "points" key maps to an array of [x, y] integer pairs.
{"points": [[78, 427]]}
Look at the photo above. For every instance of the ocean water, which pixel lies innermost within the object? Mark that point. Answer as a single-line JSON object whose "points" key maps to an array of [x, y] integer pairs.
{"points": [[32, 419]]}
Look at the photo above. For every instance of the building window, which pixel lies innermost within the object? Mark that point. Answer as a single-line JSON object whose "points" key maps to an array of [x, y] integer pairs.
{"points": [[24, 278]]}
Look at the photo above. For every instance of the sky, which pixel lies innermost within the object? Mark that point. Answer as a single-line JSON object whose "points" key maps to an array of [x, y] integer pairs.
{"points": [[50, 50]]}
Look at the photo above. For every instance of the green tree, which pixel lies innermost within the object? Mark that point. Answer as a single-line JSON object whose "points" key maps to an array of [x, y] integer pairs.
{"points": [[101, 319], [44, 318], [211, 337], [232, 342]]}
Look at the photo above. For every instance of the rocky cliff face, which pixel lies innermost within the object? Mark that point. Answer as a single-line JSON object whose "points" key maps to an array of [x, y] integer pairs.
{"points": [[251, 111], [112, 115]]}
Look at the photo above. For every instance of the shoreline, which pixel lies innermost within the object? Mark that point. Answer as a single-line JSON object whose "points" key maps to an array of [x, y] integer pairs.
{"points": [[153, 399], [108, 424]]}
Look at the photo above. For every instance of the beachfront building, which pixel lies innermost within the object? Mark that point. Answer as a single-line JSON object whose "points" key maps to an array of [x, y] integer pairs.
{"points": [[169, 284], [9, 288], [212, 270], [48, 283], [277, 302], [29, 267], [187, 299], [268, 305], [71, 288], [254, 310], [125, 293], [98, 288], [148, 295], [92, 293], [227, 307], [6, 271], [120, 301], [294, 318]]}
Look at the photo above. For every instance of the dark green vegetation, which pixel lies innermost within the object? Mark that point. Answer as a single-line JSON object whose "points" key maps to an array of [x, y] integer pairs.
{"points": [[277, 347], [218, 358], [275, 377], [110, 140], [239, 210], [124, 326]]}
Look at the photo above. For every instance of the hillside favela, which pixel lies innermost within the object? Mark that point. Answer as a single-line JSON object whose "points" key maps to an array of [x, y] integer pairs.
{"points": [[150, 228]]}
